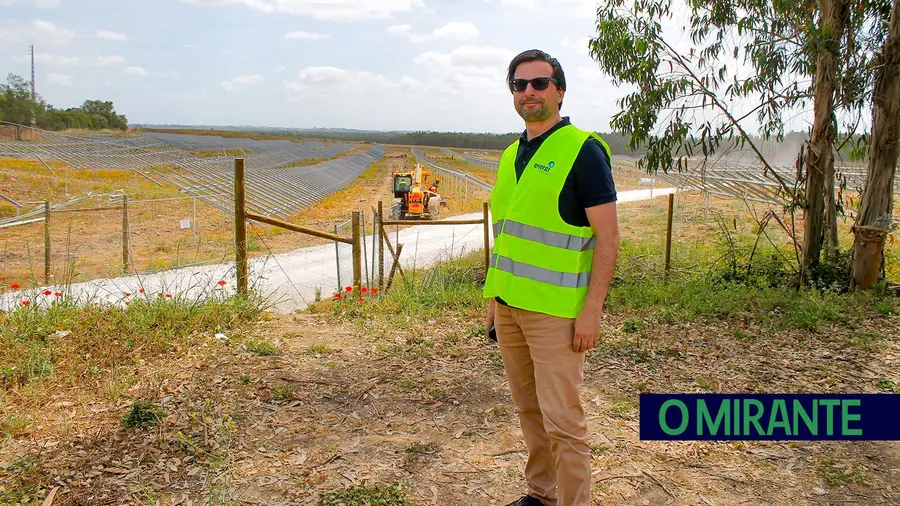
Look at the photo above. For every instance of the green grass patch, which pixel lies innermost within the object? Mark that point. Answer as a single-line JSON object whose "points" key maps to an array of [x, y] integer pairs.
{"points": [[142, 415], [888, 385], [835, 475], [366, 495], [23, 483], [318, 349], [711, 290], [70, 340], [450, 288], [261, 347]]}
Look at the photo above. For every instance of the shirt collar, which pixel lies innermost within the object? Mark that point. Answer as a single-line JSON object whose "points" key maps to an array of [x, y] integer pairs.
{"points": [[540, 138]]}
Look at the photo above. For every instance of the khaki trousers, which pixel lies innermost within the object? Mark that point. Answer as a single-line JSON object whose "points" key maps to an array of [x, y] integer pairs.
{"points": [[545, 377]]}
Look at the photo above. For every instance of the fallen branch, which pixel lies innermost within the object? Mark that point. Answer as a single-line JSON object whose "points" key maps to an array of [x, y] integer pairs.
{"points": [[656, 480]]}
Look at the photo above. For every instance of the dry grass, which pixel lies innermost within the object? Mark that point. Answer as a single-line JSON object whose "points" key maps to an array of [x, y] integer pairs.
{"points": [[399, 396], [80, 250]]}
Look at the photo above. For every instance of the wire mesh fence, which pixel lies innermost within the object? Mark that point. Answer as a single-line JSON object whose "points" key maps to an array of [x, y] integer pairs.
{"points": [[473, 159]]}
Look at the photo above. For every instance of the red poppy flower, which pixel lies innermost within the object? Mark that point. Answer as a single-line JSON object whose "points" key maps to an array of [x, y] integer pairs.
{"points": [[26, 302], [338, 296], [363, 289], [47, 292], [161, 294], [221, 282], [141, 290], [374, 291], [127, 294], [58, 294], [349, 289], [168, 295], [361, 299], [127, 303], [15, 286]]}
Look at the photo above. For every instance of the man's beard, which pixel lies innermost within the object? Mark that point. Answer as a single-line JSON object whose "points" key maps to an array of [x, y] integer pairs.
{"points": [[531, 115]]}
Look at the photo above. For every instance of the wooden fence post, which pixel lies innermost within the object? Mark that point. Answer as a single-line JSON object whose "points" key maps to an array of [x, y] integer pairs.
{"points": [[46, 242], [379, 230], [240, 226], [395, 267], [669, 232], [487, 237], [337, 260], [125, 234], [357, 250]]}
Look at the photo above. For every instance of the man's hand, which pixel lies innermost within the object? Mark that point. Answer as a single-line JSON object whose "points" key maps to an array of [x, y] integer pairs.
{"points": [[587, 328], [489, 320], [605, 225]]}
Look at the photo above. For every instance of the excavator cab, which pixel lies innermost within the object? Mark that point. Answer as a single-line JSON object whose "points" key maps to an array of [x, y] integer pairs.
{"points": [[411, 198]]}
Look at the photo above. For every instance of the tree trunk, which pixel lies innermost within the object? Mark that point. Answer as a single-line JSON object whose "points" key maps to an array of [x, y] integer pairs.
{"points": [[831, 236], [820, 158], [874, 218]]}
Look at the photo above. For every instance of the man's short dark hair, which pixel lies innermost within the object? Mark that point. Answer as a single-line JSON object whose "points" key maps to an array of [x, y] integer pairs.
{"points": [[538, 55]]}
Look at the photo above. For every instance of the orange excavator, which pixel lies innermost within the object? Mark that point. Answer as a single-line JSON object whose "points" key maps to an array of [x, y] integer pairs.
{"points": [[415, 195]]}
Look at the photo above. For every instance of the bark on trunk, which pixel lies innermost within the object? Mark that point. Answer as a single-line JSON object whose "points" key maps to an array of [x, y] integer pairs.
{"points": [[820, 157], [874, 218], [831, 236]]}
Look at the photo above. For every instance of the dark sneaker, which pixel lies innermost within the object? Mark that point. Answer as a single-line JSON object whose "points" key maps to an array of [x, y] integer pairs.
{"points": [[526, 500]]}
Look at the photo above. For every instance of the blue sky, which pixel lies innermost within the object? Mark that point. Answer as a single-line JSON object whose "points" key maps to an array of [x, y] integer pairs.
{"points": [[378, 64]]}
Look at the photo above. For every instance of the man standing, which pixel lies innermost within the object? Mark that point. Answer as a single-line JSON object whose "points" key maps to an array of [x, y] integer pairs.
{"points": [[556, 242]]}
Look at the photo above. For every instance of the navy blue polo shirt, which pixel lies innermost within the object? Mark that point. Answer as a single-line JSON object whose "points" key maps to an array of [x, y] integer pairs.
{"points": [[589, 183]]}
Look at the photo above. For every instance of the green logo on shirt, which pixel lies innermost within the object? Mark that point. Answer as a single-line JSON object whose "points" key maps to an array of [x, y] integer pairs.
{"points": [[544, 168]]}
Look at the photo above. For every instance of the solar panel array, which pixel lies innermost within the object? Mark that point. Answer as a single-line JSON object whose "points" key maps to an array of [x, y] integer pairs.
{"points": [[472, 179], [755, 183], [474, 160], [273, 186]]}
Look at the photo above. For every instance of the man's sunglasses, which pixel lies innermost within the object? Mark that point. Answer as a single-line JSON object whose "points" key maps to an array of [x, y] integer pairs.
{"points": [[538, 83]]}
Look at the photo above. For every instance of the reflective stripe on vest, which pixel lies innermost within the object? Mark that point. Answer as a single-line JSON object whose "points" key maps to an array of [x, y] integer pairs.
{"points": [[548, 237], [556, 278]]}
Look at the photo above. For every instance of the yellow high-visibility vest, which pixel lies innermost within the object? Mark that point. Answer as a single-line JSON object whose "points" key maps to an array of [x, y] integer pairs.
{"points": [[540, 263]]}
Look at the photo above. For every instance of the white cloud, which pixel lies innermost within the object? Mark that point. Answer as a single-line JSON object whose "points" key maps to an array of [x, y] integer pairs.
{"points": [[108, 35], [466, 68], [399, 29], [237, 83], [60, 61], [333, 79], [48, 33], [142, 72], [53, 60], [280, 68], [42, 32], [477, 59], [586, 9], [458, 31], [46, 4], [454, 31], [300, 35], [579, 45], [59, 79], [8, 2], [520, 3], [108, 61], [345, 10], [135, 71]]}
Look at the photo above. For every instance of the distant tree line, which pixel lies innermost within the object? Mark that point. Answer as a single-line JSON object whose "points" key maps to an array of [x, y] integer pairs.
{"points": [[459, 140], [17, 106]]}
